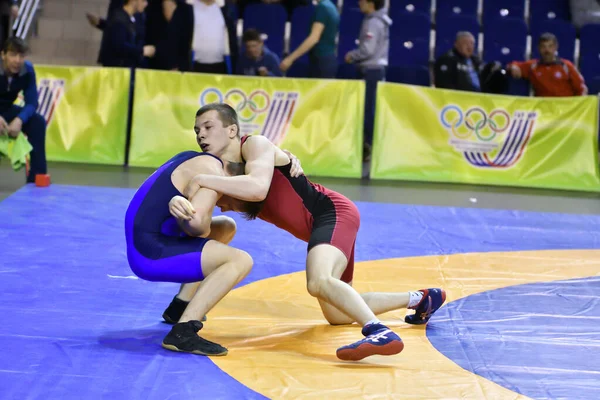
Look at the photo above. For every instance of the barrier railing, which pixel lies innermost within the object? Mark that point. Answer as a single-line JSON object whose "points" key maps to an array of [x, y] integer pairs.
{"points": [[428, 134], [422, 134]]}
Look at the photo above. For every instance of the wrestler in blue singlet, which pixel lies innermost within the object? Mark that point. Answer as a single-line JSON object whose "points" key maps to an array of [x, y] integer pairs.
{"points": [[157, 249]]}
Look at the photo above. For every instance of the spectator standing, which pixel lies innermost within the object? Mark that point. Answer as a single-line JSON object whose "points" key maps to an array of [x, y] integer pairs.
{"points": [[174, 37], [121, 45], [371, 59], [100, 23], [214, 32], [320, 43]]}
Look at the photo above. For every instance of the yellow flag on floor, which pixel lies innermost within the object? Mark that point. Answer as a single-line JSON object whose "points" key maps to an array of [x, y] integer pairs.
{"points": [[16, 150]]}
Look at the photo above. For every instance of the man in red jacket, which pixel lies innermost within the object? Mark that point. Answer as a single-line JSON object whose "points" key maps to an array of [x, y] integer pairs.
{"points": [[550, 76]]}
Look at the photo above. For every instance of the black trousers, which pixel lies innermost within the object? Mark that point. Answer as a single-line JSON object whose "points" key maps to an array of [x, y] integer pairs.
{"points": [[218, 68]]}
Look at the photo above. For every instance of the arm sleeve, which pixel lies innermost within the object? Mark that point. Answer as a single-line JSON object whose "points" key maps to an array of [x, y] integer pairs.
{"points": [[577, 81], [117, 35], [272, 64], [370, 36], [31, 97], [524, 66]]}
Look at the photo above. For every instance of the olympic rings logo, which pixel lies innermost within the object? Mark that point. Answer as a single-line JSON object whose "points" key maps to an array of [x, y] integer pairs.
{"points": [[475, 120], [240, 102]]}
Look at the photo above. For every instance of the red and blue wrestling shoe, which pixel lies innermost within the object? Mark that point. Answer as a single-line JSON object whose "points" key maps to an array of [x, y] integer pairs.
{"points": [[379, 340], [432, 300]]}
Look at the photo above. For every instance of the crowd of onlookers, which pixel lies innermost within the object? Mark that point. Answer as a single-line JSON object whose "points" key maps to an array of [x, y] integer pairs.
{"points": [[201, 36]]}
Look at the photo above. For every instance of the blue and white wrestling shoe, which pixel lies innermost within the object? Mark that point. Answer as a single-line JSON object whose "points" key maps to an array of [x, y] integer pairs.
{"points": [[432, 300], [379, 340]]}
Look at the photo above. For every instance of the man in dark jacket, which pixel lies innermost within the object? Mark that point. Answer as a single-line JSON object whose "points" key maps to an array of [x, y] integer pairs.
{"points": [[459, 68], [115, 5], [18, 75], [173, 34], [121, 43]]}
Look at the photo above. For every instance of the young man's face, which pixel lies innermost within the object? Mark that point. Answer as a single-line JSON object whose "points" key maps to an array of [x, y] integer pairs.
{"points": [[211, 135], [226, 203], [13, 61], [254, 48]]}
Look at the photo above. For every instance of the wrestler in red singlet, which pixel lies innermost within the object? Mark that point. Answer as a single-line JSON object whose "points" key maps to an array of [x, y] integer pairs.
{"points": [[312, 213]]}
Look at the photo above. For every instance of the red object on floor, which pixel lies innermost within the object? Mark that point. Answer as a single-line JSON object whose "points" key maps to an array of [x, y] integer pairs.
{"points": [[42, 180]]}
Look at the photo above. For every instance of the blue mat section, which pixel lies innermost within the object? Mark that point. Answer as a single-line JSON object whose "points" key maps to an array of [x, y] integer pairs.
{"points": [[540, 340], [76, 326]]}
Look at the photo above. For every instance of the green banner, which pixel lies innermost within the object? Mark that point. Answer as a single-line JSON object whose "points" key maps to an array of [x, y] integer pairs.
{"points": [[426, 134], [85, 111], [320, 121]]}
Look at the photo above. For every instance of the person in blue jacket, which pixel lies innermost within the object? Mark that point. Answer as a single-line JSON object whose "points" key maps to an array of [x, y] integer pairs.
{"points": [[257, 59], [18, 75]]}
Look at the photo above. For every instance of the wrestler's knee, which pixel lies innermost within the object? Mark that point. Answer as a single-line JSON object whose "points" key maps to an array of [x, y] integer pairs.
{"points": [[229, 225], [222, 229], [242, 262], [317, 286]]}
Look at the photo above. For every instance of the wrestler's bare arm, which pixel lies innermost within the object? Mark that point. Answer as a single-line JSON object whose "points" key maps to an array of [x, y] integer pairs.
{"points": [[260, 155], [196, 222]]}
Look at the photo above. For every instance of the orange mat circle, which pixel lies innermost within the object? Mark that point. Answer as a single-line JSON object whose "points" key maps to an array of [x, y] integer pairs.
{"points": [[281, 346]]}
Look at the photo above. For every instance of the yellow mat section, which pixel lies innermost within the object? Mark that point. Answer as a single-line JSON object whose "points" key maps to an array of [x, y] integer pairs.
{"points": [[281, 346]]}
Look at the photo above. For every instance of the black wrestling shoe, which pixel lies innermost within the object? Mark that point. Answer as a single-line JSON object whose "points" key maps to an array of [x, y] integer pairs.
{"points": [[175, 310], [184, 337]]}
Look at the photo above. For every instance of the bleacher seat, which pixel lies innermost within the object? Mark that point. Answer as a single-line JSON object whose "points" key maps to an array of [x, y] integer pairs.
{"points": [[460, 7], [350, 21], [540, 10], [347, 71], [409, 52], [409, 39], [410, 27], [500, 9], [410, 74], [446, 28], [398, 7], [593, 85], [564, 32], [519, 87], [269, 19], [503, 53], [300, 29], [508, 30], [589, 65], [589, 39], [505, 40]]}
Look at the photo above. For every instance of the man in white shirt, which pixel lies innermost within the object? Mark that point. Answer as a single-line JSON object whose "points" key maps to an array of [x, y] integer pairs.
{"points": [[210, 38]]}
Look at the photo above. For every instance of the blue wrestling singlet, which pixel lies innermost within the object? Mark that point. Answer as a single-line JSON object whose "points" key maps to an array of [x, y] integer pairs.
{"points": [[157, 249]]}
